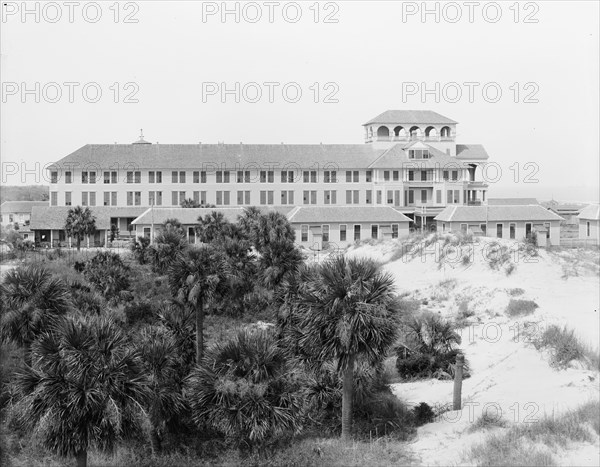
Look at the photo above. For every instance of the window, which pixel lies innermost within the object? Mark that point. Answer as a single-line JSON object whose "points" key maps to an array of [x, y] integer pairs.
{"points": [[84, 198], [150, 177], [325, 230], [418, 154], [528, 230], [483, 228], [463, 228], [200, 197], [129, 178], [396, 175], [306, 197], [374, 232], [454, 175], [85, 177], [92, 177], [158, 177], [67, 198], [222, 176], [499, 228], [357, 232], [369, 175], [69, 177], [379, 197], [107, 198], [181, 177], [219, 176], [330, 176], [174, 176], [270, 197], [423, 175], [390, 197], [151, 198], [226, 198], [92, 198], [53, 177], [355, 176], [348, 176], [107, 178], [130, 198], [438, 196], [355, 197], [174, 197], [386, 175], [54, 198], [423, 196], [263, 197], [203, 176], [304, 233], [313, 176], [369, 194], [411, 175], [411, 196], [443, 227], [284, 196], [313, 197], [242, 176], [196, 176], [446, 175], [330, 197], [305, 176], [270, 176], [395, 230], [588, 228], [512, 230], [342, 232], [287, 176]]}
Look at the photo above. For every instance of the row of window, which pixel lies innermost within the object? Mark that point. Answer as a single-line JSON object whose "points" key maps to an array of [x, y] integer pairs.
{"points": [[512, 229], [343, 232], [244, 176], [266, 197]]}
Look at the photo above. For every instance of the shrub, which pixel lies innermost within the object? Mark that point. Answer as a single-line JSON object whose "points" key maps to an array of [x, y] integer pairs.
{"points": [[428, 348], [487, 421], [516, 292], [108, 274], [566, 347], [140, 249], [140, 313], [423, 414], [520, 307], [245, 389], [167, 245]]}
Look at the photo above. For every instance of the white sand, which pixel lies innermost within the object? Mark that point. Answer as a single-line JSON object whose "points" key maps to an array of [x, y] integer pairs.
{"points": [[509, 376]]}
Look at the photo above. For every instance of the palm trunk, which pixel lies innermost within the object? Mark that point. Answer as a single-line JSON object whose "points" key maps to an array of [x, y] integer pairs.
{"points": [[199, 330], [81, 457], [347, 394], [155, 440], [78, 243]]}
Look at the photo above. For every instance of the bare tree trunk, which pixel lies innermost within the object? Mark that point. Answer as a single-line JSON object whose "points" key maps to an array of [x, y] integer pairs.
{"points": [[347, 395], [78, 243], [458, 377], [199, 330], [81, 457]]}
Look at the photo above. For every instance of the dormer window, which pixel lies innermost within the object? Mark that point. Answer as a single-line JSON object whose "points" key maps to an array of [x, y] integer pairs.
{"points": [[418, 153]]}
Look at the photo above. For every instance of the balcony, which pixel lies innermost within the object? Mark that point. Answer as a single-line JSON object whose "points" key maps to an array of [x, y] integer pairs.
{"points": [[475, 202], [476, 184]]}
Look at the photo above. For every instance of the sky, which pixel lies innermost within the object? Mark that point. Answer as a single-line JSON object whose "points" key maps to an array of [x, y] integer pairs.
{"points": [[307, 73]]}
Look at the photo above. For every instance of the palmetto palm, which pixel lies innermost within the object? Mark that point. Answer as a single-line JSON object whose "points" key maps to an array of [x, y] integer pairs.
{"points": [[244, 388], [31, 297], [194, 278], [80, 223], [347, 312], [84, 388], [161, 363]]}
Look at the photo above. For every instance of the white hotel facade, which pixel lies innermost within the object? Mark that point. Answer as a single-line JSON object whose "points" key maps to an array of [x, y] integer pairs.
{"points": [[410, 162]]}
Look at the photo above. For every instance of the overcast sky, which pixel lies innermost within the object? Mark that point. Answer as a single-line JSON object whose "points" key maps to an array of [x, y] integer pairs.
{"points": [[371, 54]]}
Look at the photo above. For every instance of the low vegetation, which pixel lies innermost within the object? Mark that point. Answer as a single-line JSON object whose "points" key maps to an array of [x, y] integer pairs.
{"points": [[565, 347], [533, 443], [520, 307]]}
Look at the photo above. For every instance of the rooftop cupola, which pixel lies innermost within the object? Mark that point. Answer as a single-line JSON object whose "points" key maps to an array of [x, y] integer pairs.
{"points": [[409, 125], [141, 140]]}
